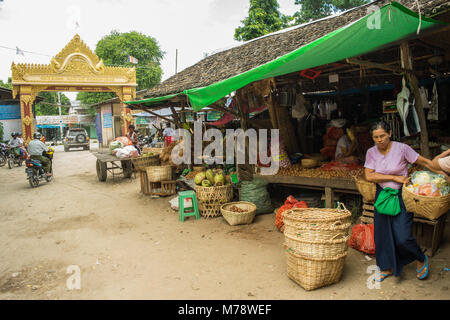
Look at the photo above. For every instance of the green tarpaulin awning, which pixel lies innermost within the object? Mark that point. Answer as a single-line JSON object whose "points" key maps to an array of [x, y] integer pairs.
{"points": [[393, 22]]}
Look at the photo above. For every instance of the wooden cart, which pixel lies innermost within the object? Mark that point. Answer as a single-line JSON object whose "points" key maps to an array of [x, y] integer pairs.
{"points": [[107, 162]]}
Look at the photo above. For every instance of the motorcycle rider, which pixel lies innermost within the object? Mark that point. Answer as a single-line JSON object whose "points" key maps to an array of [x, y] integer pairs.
{"points": [[35, 148], [23, 150], [15, 143]]}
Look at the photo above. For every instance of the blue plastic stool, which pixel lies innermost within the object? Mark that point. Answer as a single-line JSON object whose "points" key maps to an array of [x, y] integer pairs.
{"points": [[187, 195]]}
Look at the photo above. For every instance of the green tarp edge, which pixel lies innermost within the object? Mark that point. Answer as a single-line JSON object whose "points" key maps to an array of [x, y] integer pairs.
{"points": [[396, 22], [153, 100]]}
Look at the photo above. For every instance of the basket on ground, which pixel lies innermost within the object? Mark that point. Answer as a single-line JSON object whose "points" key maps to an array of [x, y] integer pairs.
{"points": [[316, 244], [159, 173], [312, 273], [429, 207], [141, 163], [236, 218], [210, 199], [311, 218], [366, 188]]}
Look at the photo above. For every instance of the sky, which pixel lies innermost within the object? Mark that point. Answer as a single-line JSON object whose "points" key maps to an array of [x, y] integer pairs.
{"points": [[194, 27]]}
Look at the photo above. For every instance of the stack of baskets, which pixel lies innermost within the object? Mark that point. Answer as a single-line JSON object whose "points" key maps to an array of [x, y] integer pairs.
{"points": [[316, 245], [210, 199]]}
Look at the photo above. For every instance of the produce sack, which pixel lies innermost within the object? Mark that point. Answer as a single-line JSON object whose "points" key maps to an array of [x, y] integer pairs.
{"points": [[121, 153], [255, 191], [362, 238], [132, 151], [125, 141], [114, 145], [290, 203]]}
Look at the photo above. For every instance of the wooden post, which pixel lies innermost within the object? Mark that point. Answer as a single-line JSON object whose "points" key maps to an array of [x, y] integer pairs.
{"points": [[245, 171], [405, 54], [329, 197]]}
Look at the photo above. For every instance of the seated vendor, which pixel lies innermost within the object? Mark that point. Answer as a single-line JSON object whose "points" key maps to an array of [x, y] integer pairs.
{"points": [[346, 148]]}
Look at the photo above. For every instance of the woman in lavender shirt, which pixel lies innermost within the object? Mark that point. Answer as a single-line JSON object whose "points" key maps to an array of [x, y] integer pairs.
{"points": [[387, 166]]}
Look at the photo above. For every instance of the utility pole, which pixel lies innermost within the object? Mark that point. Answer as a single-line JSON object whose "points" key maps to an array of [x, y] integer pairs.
{"points": [[176, 61], [60, 117]]}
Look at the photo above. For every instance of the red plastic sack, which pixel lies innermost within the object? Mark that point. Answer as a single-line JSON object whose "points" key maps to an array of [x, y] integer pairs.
{"points": [[290, 203], [362, 238], [125, 141]]}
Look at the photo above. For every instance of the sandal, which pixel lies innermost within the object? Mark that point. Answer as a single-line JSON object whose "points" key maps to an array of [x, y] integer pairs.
{"points": [[425, 265], [381, 276]]}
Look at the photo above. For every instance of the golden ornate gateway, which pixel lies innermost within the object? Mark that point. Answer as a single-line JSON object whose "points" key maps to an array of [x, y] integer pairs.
{"points": [[75, 68]]}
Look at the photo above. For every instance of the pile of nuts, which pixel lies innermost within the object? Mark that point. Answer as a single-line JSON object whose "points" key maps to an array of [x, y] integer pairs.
{"points": [[298, 171], [236, 209]]}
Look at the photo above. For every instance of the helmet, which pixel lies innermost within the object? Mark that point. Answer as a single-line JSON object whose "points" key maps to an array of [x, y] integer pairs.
{"points": [[14, 134], [37, 135], [19, 134]]}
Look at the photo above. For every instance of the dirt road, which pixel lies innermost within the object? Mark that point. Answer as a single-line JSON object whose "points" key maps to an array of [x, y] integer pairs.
{"points": [[129, 246]]}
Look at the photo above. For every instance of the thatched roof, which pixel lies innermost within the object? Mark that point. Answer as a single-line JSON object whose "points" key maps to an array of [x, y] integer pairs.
{"points": [[234, 61]]}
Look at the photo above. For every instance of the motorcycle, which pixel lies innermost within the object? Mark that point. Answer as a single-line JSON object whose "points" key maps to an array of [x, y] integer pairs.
{"points": [[35, 172], [4, 154], [145, 141], [14, 157]]}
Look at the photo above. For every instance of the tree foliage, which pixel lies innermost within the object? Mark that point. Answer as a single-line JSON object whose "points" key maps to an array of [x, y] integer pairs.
{"points": [[263, 18], [316, 9], [43, 109], [115, 48], [6, 85]]}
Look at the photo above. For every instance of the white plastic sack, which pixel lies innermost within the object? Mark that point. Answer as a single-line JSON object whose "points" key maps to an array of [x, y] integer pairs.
{"points": [[174, 203], [121, 153], [132, 151]]}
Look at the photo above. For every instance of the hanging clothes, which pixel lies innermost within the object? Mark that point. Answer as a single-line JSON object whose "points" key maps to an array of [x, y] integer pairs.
{"points": [[404, 106], [299, 110], [433, 114]]}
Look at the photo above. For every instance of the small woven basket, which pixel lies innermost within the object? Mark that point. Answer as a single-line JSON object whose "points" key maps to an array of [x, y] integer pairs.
{"points": [[366, 188], [141, 163], [312, 273], [310, 163], [210, 199], [159, 173], [429, 207], [236, 218]]}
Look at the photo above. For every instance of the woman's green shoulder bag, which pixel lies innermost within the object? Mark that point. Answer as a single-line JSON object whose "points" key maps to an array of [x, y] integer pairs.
{"points": [[388, 202]]}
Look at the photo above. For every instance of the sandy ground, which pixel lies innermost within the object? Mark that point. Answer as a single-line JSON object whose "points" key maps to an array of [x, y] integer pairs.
{"points": [[129, 246]]}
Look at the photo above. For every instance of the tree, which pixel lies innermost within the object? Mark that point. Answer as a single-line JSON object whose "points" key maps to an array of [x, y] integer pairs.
{"points": [[316, 9], [115, 48], [7, 85], [263, 18], [44, 109]]}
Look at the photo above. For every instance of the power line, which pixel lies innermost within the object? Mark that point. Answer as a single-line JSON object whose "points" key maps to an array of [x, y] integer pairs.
{"points": [[18, 51]]}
